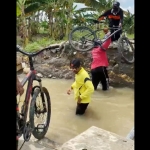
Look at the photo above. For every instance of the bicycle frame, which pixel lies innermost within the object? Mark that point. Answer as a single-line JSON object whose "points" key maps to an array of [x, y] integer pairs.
{"points": [[30, 77], [118, 29]]}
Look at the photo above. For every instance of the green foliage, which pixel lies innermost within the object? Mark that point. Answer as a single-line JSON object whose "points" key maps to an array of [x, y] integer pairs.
{"points": [[129, 23], [60, 17], [44, 25], [39, 44]]}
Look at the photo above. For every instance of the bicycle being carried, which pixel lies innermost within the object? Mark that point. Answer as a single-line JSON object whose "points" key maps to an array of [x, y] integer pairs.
{"points": [[87, 38], [37, 108]]}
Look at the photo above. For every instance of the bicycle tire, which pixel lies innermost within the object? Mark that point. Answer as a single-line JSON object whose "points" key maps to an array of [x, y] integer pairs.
{"points": [[35, 133], [77, 29], [121, 48]]}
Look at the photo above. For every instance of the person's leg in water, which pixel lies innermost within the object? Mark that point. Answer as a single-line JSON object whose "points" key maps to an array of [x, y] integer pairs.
{"points": [[81, 108], [104, 78], [106, 73], [95, 78]]}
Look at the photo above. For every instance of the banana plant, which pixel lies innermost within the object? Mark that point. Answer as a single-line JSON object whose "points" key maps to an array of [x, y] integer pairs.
{"points": [[128, 24], [23, 27], [69, 9]]}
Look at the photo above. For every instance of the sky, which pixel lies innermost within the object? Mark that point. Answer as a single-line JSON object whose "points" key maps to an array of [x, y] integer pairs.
{"points": [[125, 4]]}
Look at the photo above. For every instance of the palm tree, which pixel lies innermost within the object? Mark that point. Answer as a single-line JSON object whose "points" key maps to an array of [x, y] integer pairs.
{"points": [[23, 27]]}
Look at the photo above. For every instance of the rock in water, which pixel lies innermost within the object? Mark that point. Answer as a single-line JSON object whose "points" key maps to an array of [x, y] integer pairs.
{"points": [[40, 75]]}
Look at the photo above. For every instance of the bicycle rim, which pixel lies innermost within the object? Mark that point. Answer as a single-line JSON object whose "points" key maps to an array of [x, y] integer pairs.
{"points": [[40, 129], [81, 39], [126, 49]]}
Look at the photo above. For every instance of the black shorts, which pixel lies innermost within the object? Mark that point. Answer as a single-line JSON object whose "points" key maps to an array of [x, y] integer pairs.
{"points": [[80, 109], [100, 74]]}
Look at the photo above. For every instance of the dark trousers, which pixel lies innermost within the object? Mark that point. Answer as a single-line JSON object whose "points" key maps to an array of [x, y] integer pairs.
{"points": [[116, 36], [100, 74], [80, 109]]}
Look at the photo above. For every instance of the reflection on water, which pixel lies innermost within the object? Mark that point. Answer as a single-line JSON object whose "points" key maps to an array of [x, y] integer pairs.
{"points": [[111, 110]]}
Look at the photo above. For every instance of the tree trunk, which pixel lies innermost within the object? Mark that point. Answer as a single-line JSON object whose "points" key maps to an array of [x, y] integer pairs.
{"points": [[29, 29], [50, 18], [25, 31]]}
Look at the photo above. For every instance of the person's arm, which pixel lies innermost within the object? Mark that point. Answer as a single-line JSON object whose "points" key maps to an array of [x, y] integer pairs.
{"points": [[20, 89], [73, 85], [106, 43], [71, 88], [89, 90], [105, 14]]}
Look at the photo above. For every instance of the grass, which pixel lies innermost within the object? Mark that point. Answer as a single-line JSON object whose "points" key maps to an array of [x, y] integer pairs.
{"points": [[130, 36], [39, 44]]}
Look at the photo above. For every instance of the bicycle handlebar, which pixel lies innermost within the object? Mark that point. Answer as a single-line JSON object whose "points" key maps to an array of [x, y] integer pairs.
{"points": [[19, 49], [96, 21]]}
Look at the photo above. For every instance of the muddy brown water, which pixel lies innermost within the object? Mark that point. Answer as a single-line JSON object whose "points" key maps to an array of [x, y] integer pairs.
{"points": [[112, 110]]}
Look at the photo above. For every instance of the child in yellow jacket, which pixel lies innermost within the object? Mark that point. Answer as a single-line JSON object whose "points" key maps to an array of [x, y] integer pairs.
{"points": [[82, 86]]}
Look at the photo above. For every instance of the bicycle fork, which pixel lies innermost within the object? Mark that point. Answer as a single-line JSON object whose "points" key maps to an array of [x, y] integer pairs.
{"points": [[42, 92], [40, 83]]}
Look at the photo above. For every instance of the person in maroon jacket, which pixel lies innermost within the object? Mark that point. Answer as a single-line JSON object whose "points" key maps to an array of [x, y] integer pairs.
{"points": [[99, 65], [115, 17]]}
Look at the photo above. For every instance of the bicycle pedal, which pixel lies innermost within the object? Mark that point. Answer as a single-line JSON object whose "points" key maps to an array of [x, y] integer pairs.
{"points": [[42, 126]]}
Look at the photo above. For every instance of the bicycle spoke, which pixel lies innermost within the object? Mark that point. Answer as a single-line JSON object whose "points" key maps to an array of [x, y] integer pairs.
{"points": [[126, 49], [82, 38]]}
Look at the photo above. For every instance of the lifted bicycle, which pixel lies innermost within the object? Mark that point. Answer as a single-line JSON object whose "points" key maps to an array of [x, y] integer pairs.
{"points": [[88, 37]]}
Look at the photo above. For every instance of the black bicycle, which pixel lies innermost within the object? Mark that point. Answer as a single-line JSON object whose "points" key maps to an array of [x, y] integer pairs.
{"points": [[87, 38], [38, 108]]}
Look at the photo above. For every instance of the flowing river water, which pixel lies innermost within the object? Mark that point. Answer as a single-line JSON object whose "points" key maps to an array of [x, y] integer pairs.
{"points": [[111, 110]]}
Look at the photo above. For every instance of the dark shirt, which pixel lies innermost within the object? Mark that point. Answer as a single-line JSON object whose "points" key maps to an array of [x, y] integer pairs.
{"points": [[114, 19]]}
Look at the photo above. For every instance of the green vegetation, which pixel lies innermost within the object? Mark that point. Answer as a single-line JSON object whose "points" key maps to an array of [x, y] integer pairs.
{"points": [[130, 36], [44, 22], [39, 44]]}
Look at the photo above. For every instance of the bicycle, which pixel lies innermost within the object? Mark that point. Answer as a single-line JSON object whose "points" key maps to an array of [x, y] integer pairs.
{"points": [[86, 44], [24, 127]]}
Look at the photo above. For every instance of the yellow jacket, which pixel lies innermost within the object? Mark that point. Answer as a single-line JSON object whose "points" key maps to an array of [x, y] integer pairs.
{"points": [[81, 88]]}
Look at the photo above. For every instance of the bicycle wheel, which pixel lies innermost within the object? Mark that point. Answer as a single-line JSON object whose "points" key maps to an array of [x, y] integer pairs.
{"points": [[126, 50], [85, 36], [40, 130]]}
